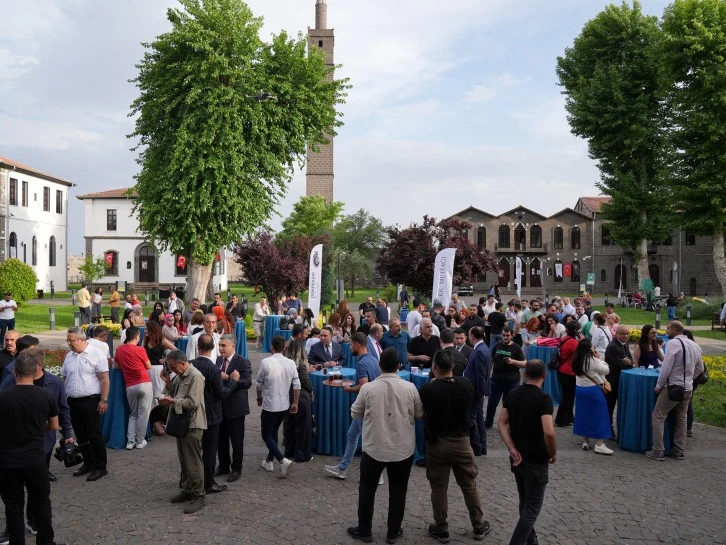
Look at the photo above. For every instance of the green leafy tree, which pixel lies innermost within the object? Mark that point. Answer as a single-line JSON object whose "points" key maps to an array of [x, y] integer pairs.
{"points": [[359, 238], [216, 152], [611, 81], [311, 215], [693, 53], [19, 279], [93, 269]]}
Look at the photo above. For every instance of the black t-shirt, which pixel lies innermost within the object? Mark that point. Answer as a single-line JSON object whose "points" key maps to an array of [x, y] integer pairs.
{"points": [[502, 370], [5, 358], [418, 346], [446, 403], [25, 411], [526, 405], [365, 306], [497, 321]]}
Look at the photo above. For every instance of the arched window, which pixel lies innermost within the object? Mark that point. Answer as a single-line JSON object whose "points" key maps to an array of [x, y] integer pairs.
{"points": [[575, 271], [605, 236], [34, 252], [558, 238], [111, 270], [603, 275], [481, 237], [520, 238], [575, 238], [690, 239], [504, 236], [535, 237], [51, 252], [13, 245]]}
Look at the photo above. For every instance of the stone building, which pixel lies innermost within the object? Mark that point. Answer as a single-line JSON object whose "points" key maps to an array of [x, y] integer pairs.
{"points": [[319, 178], [573, 248]]}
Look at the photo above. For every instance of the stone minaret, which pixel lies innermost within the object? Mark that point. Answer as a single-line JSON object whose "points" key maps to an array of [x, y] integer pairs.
{"points": [[320, 163]]}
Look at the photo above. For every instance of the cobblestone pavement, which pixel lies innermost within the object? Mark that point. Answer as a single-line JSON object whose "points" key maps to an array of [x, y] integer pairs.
{"points": [[623, 499]]}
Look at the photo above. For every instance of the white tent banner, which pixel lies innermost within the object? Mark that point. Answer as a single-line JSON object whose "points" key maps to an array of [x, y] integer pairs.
{"points": [[518, 277], [443, 276], [315, 279]]}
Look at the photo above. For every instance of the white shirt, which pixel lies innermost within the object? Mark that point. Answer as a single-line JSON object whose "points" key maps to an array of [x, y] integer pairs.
{"points": [[81, 372], [274, 378], [597, 369], [583, 319], [172, 306], [417, 331], [413, 319], [193, 351], [388, 407], [309, 344], [6, 309], [601, 338], [102, 346], [260, 312], [568, 309]]}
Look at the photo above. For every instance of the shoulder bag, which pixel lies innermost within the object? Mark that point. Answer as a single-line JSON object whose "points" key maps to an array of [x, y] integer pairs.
{"points": [[555, 358], [178, 424], [676, 392], [606, 387]]}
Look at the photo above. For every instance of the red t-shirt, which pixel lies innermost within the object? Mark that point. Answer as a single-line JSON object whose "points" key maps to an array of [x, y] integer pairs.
{"points": [[131, 359], [567, 353]]}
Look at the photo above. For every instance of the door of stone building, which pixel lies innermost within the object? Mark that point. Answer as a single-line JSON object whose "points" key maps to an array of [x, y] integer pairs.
{"points": [[147, 265], [535, 273], [504, 272]]}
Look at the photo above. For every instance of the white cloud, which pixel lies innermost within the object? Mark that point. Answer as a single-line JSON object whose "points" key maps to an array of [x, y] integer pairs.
{"points": [[480, 93], [32, 133]]}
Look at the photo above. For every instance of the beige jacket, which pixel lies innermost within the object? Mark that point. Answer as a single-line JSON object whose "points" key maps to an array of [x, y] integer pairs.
{"points": [[188, 393]]}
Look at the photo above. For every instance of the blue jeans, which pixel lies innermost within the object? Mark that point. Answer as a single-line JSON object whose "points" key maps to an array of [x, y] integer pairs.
{"points": [[356, 427], [531, 483], [6, 325], [672, 313], [495, 338], [499, 388], [270, 423]]}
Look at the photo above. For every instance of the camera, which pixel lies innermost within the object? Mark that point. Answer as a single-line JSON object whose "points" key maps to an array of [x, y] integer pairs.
{"points": [[68, 453]]}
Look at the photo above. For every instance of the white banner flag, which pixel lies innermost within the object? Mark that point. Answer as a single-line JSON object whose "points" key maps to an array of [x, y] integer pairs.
{"points": [[443, 276], [518, 277], [315, 280]]}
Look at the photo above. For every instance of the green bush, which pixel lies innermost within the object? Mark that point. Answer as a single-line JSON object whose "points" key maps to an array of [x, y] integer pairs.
{"points": [[699, 310], [19, 279], [390, 294]]}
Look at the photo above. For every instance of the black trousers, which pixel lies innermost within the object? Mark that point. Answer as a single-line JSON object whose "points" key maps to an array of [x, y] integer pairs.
{"points": [[210, 443], [297, 430], [370, 472], [13, 483], [232, 429], [531, 483], [86, 423], [565, 412]]}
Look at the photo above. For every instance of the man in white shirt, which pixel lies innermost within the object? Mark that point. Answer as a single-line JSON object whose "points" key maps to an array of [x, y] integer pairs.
{"points": [[580, 315], [414, 317], [85, 369], [567, 308], [262, 311], [388, 407], [8, 308], [100, 341], [210, 324], [277, 373], [174, 303]]}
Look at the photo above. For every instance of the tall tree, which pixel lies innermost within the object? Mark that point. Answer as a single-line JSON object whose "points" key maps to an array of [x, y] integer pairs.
{"points": [[610, 78], [359, 238], [411, 253], [311, 215], [217, 153], [693, 53]]}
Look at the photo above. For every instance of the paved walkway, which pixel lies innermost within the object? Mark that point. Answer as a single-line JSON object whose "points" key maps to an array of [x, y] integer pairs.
{"points": [[623, 499]]}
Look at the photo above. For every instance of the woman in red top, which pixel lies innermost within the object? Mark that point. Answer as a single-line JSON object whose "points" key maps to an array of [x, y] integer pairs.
{"points": [[134, 364], [566, 376]]}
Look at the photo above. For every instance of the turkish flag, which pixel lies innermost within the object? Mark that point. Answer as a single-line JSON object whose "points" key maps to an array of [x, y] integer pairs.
{"points": [[568, 269], [219, 257], [109, 259], [181, 262]]}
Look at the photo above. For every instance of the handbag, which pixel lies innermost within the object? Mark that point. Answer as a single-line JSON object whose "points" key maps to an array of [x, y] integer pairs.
{"points": [[606, 387], [555, 358], [701, 378], [178, 424], [676, 392]]}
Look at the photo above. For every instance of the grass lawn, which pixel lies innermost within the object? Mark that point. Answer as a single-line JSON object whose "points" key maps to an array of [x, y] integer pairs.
{"points": [[638, 317], [32, 318], [718, 335], [709, 403]]}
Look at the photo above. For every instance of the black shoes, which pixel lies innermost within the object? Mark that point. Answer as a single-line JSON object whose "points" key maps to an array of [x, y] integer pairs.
{"points": [[216, 488], [233, 476], [52, 478], [440, 535], [96, 474], [356, 533], [479, 533], [81, 471], [393, 537]]}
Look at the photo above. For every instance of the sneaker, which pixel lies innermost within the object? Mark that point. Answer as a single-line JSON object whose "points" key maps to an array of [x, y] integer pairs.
{"points": [[677, 456], [480, 532], [130, 445], [335, 470], [440, 535], [393, 537], [285, 467], [603, 449], [381, 481], [268, 466], [142, 444], [31, 528], [653, 455], [355, 533], [585, 445]]}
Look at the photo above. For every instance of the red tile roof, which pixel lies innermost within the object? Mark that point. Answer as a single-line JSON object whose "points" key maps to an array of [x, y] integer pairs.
{"points": [[6, 162], [109, 194], [595, 203]]}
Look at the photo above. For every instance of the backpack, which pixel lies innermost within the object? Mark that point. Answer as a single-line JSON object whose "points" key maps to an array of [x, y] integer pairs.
{"points": [[284, 323], [556, 358]]}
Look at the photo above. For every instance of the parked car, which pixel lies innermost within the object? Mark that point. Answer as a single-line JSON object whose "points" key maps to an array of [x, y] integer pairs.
{"points": [[465, 289]]}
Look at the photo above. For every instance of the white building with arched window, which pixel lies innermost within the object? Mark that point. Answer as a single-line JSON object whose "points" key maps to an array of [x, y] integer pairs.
{"points": [[112, 232], [34, 221]]}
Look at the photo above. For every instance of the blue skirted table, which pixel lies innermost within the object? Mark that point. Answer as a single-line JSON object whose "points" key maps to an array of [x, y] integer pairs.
{"points": [[240, 333], [271, 324], [419, 379], [181, 343], [636, 400], [332, 413], [142, 332], [114, 424], [551, 386], [284, 333], [349, 357]]}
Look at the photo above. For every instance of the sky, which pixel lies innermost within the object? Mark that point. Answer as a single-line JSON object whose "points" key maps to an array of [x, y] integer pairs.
{"points": [[454, 104]]}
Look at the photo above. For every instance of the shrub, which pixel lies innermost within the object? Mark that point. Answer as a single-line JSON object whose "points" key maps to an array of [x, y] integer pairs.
{"points": [[19, 279], [700, 310], [115, 329]]}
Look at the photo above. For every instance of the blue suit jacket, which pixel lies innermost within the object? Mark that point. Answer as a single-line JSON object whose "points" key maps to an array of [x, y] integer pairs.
{"points": [[237, 403], [214, 389], [317, 354], [372, 348], [479, 370]]}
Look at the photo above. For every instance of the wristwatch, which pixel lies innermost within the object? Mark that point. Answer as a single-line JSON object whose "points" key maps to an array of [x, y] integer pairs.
{"points": [[104, 401]]}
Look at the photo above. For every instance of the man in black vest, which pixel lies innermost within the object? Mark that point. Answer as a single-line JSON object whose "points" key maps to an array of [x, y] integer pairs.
{"points": [[617, 356]]}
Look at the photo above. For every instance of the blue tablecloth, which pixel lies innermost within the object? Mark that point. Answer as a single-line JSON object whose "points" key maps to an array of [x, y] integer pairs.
{"points": [[349, 358], [142, 332], [181, 343], [240, 333], [285, 333], [419, 379], [551, 386], [332, 413], [403, 314], [636, 400], [114, 424], [271, 324]]}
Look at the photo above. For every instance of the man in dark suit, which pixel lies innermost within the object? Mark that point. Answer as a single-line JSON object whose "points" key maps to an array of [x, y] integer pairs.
{"points": [[618, 358], [327, 352], [479, 371], [234, 409], [214, 392], [447, 345], [460, 342]]}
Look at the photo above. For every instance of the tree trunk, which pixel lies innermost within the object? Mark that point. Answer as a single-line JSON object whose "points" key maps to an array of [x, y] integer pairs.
{"points": [[719, 259], [198, 277], [641, 263], [352, 285]]}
